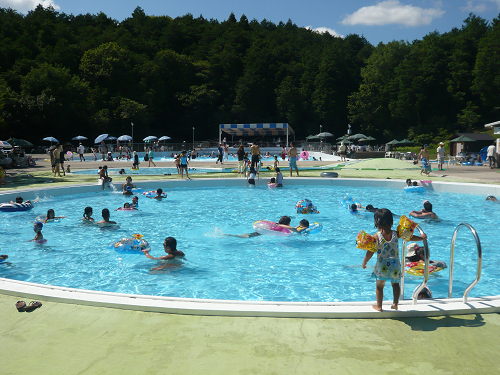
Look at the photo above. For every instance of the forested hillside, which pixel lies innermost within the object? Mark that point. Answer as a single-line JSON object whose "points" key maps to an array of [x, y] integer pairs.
{"points": [[63, 74]]}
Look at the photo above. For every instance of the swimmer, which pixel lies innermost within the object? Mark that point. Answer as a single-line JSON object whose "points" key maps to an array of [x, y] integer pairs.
{"points": [[37, 227], [426, 213], [303, 225], [415, 183], [126, 206], [105, 219], [170, 247], [68, 170], [368, 208], [52, 216], [415, 253], [128, 186], [491, 198], [20, 200], [408, 182], [158, 195], [87, 215], [103, 175], [135, 202], [284, 222], [273, 181], [353, 207], [122, 171], [3, 257]]}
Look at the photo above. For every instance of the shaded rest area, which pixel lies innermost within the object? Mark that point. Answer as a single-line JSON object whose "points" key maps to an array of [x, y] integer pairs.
{"points": [[261, 129], [63, 338]]}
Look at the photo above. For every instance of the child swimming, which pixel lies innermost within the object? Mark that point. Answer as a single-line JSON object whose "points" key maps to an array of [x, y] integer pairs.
{"points": [[52, 216], [37, 227], [87, 215], [135, 202], [159, 195], [388, 266], [251, 176]]}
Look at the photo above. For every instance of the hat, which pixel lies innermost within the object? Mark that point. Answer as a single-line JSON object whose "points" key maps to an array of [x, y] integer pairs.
{"points": [[441, 143], [411, 250]]}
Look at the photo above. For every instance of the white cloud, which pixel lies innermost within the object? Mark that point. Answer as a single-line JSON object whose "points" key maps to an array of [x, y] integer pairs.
{"points": [[392, 12], [24, 6], [497, 2], [322, 30], [474, 8]]}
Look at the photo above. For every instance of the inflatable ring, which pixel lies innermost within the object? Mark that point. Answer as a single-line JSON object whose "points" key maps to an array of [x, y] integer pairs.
{"points": [[271, 228], [41, 241], [271, 186], [315, 228], [126, 209], [414, 189], [132, 245], [13, 207], [304, 155], [305, 206], [418, 269], [329, 174], [134, 169], [347, 202], [152, 193], [42, 218]]}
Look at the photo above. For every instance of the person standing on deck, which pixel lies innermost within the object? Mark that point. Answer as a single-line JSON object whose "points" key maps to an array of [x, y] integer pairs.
{"points": [[440, 156], [255, 150], [292, 161]]}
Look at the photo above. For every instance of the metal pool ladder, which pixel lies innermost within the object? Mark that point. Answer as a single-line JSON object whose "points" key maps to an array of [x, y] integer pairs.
{"points": [[419, 288]]}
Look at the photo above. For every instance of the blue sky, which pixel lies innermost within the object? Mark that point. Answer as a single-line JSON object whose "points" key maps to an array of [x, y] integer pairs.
{"points": [[378, 21]]}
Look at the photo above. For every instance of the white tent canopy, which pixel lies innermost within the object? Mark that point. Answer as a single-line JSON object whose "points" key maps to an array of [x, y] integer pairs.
{"points": [[249, 130]]}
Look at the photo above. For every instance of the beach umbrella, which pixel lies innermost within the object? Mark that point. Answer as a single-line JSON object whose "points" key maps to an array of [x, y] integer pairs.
{"points": [[342, 138], [311, 137], [100, 138], [405, 142], [111, 138], [393, 142], [124, 138], [324, 135], [164, 138], [5, 144], [51, 139], [347, 142], [79, 138], [463, 138], [357, 136], [150, 138], [19, 142]]}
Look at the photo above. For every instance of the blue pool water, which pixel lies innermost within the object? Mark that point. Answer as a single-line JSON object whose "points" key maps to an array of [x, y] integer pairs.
{"points": [[320, 267], [153, 171]]}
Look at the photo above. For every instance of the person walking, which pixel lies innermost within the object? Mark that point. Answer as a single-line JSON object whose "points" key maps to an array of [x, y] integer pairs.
{"points": [[440, 156], [81, 151], [491, 155]]}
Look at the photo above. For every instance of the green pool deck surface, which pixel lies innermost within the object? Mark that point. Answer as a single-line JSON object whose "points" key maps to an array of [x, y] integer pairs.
{"points": [[61, 338]]}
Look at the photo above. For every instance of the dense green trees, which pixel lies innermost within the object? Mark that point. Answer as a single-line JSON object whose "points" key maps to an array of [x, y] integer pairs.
{"points": [[61, 72]]}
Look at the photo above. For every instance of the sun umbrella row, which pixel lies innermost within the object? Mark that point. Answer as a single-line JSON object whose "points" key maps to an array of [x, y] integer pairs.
{"points": [[107, 137]]}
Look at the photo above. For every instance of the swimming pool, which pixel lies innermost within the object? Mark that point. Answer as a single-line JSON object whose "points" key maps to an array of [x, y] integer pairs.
{"points": [[321, 267]]}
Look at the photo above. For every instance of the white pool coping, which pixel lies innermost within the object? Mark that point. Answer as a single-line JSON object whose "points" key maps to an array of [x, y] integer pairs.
{"points": [[190, 306]]}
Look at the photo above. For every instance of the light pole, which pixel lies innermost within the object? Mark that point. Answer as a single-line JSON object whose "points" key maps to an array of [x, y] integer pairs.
{"points": [[320, 131], [193, 138], [132, 136], [348, 129]]}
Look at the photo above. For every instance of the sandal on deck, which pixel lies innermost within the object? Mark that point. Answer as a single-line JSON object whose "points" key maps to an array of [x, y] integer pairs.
{"points": [[32, 306], [20, 306]]}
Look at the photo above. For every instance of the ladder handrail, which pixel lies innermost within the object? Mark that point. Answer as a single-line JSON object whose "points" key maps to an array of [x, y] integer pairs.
{"points": [[452, 259], [426, 269]]}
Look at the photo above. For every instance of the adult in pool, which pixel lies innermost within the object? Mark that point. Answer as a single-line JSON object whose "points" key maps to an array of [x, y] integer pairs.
{"points": [[170, 247], [491, 198], [425, 213], [105, 219]]}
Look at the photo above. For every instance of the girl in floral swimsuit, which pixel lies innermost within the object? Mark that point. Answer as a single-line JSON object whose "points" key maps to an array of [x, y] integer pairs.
{"points": [[388, 266]]}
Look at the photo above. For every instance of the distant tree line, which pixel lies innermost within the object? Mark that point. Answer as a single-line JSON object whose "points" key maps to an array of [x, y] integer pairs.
{"points": [[64, 75]]}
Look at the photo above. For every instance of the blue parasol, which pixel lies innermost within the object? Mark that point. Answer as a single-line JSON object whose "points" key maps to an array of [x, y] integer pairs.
{"points": [[124, 138], [79, 138], [150, 138], [100, 138], [51, 139]]}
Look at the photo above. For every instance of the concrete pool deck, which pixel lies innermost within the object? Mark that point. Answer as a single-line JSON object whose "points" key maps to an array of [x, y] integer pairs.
{"points": [[61, 338]]}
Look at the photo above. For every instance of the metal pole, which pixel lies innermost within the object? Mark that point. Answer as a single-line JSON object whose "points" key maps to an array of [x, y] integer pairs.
{"points": [[193, 138], [132, 136]]}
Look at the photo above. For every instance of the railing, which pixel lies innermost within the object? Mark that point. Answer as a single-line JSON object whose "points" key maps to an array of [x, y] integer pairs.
{"points": [[452, 260]]}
